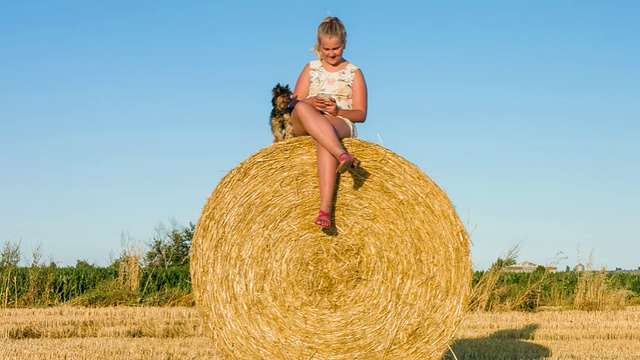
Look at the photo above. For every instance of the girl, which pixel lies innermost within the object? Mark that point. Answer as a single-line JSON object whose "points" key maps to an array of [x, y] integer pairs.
{"points": [[329, 97]]}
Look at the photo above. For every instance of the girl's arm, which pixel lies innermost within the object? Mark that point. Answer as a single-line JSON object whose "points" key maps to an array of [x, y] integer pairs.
{"points": [[359, 100], [301, 91]]}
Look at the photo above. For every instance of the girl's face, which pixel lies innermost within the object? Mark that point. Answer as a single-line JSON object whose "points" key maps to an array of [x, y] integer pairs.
{"points": [[331, 48]]}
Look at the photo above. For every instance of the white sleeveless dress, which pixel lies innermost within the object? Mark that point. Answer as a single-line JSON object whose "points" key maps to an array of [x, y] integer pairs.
{"points": [[339, 84]]}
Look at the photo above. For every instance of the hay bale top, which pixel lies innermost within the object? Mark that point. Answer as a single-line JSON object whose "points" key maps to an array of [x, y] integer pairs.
{"points": [[390, 280]]}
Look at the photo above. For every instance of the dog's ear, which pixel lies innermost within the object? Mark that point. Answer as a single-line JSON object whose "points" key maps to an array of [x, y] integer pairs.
{"points": [[276, 89]]}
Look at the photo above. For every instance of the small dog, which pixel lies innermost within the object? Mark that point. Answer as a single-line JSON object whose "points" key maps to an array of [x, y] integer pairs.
{"points": [[281, 113]]}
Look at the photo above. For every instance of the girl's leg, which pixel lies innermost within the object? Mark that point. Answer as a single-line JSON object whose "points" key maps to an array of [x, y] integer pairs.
{"points": [[327, 177], [326, 133]]}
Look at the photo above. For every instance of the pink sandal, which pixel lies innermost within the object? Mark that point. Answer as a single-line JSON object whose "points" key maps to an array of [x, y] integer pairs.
{"points": [[321, 221], [346, 161]]}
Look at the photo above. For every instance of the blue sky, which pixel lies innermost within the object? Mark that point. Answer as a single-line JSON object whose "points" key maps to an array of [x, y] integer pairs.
{"points": [[119, 116]]}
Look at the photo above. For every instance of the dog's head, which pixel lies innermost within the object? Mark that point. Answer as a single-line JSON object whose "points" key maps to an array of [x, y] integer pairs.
{"points": [[281, 96]]}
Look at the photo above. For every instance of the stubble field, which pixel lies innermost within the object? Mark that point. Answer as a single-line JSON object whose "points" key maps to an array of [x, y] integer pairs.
{"points": [[178, 333]]}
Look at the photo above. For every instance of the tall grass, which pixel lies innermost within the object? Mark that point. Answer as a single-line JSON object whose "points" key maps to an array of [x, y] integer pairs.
{"points": [[598, 291], [41, 284], [486, 292], [499, 290]]}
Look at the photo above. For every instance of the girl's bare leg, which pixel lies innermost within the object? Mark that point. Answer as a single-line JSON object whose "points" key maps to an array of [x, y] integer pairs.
{"points": [[327, 176], [326, 132]]}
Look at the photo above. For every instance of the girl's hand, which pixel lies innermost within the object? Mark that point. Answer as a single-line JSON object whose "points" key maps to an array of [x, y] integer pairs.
{"points": [[327, 106], [319, 104]]}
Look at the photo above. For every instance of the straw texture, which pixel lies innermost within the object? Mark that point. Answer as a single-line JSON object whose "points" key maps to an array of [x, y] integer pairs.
{"points": [[389, 281]]}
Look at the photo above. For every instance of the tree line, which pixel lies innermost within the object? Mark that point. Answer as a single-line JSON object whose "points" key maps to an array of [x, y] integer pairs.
{"points": [[158, 275]]}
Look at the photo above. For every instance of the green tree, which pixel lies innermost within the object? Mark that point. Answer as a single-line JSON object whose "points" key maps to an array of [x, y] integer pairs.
{"points": [[10, 257], [170, 246], [501, 263], [84, 264]]}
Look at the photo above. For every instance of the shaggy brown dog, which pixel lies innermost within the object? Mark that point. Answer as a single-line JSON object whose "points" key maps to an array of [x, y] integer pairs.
{"points": [[281, 113]]}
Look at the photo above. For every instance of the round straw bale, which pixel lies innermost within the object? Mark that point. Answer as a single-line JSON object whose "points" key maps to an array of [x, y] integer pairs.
{"points": [[389, 280]]}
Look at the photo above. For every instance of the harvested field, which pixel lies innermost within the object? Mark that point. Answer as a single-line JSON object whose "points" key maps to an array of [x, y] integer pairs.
{"points": [[568, 334], [103, 333], [178, 333]]}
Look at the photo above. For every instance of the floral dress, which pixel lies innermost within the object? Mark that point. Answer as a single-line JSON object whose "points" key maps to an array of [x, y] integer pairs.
{"points": [[338, 84]]}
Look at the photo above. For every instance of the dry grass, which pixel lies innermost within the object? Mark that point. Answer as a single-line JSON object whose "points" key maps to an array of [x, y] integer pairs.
{"points": [[485, 295], [177, 333], [596, 292], [570, 334], [129, 268], [103, 333], [389, 281]]}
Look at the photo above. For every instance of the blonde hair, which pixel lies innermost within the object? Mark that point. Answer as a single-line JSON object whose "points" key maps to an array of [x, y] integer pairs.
{"points": [[330, 27]]}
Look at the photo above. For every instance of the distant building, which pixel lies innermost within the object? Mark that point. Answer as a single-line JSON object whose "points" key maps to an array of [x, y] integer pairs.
{"points": [[620, 271], [527, 266], [581, 268]]}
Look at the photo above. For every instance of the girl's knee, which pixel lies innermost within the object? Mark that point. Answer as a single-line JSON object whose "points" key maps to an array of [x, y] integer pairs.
{"points": [[302, 107]]}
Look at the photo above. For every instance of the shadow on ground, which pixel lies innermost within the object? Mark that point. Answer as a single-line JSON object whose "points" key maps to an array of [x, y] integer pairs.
{"points": [[510, 344]]}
